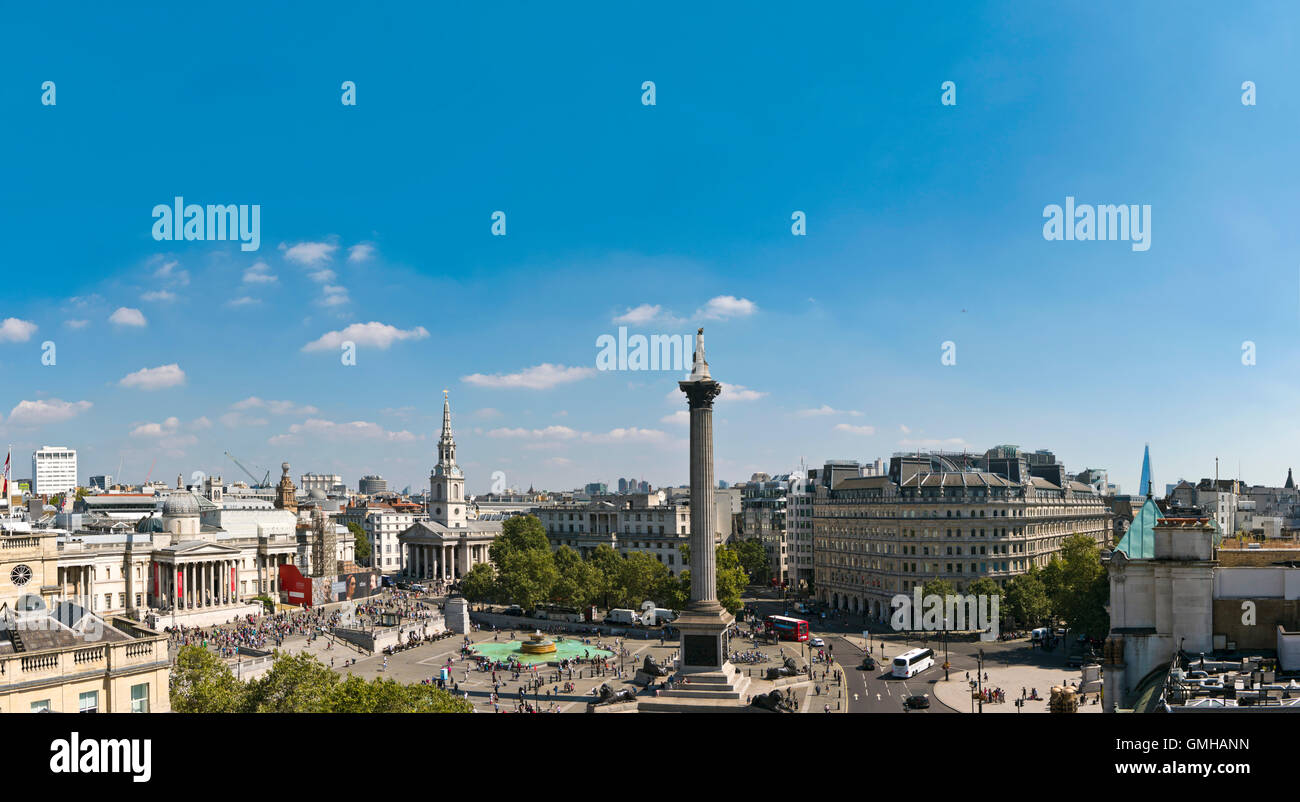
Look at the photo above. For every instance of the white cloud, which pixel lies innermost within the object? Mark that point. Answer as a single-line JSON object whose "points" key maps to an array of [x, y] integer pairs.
{"points": [[487, 413], [310, 253], [825, 409], [243, 300], [168, 426], [274, 407], [558, 462], [538, 377], [726, 306], [737, 392], [681, 416], [323, 275], [238, 420], [335, 295], [162, 296], [155, 378], [13, 330], [126, 316], [76, 324], [629, 435], [372, 334], [361, 252], [904, 429], [549, 433], [851, 429], [317, 429], [170, 429], [640, 314], [260, 273], [168, 272], [53, 410]]}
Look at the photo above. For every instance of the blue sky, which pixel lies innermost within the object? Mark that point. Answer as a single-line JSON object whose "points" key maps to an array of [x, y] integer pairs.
{"points": [[924, 226]]}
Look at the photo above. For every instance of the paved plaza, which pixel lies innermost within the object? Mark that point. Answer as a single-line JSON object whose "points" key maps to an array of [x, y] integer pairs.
{"points": [[424, 662]]}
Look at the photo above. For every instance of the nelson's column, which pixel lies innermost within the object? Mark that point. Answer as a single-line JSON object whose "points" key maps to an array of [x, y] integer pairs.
{"points": [[714, 681]]}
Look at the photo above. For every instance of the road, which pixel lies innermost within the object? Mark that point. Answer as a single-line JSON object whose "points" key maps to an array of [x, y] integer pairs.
{"points": [[879, 691]]}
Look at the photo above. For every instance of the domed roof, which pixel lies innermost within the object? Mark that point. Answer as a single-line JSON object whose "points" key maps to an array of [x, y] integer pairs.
{"points": [[316, 493], [181, 503]]}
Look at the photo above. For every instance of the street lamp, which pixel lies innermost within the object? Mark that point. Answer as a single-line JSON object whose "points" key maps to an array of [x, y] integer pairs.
{"points": [[979, 678]]}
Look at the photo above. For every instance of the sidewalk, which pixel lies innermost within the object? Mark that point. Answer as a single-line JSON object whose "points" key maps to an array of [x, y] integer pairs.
{"points": [[956, 693]]}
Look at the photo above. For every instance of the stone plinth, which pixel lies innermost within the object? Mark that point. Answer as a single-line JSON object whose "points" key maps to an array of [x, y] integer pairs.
{"points": [[457, 615]]}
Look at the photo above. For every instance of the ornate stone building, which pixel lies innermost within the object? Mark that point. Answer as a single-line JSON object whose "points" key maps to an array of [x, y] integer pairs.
{"points": [[933, 518], [448, 544]]}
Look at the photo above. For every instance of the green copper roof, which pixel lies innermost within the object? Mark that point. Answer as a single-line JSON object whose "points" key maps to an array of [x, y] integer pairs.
{"points": [[1139, 542]]}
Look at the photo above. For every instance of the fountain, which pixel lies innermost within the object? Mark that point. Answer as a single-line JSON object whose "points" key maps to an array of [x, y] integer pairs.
{"points": [[538, 643], [538, 648]]}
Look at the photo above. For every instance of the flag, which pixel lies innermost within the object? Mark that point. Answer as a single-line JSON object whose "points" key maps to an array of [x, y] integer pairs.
{"points": [[6, 479]]}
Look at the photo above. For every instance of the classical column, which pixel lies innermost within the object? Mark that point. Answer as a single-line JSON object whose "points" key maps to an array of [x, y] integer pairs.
{"points": [[703, 624], [700, 392]]}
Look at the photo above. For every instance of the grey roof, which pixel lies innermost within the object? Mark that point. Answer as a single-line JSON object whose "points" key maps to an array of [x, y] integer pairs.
{"points": [[959, 479], [181, 503]]}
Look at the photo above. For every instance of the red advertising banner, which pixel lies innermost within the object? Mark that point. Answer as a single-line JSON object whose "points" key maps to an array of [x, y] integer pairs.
{"points": [[232, 580], [297, 587], [180, 585]]}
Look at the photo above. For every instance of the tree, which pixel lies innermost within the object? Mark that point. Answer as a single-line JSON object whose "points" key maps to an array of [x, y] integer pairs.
{"points": [[300, 683], [640, 576], [525, 577], [296, 683], [938, 587], [480, 584], [1087, 588], [362, 548], [607, 566], [519, 533], [577, 579], [755, 560], [200, 683], [1026, 599], [731, 578], [1077, 586]]}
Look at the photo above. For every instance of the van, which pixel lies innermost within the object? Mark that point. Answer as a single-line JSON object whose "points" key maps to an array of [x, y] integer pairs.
{"points": [[1038, 635], [660, 616], [620, 615]]}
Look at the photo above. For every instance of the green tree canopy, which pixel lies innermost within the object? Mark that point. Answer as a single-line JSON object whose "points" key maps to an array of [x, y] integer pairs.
{"points": [[480, 584], [518, 533], [1026, 599], [296, 684], [362, 548], [526, 576], [755, 560], [576, 584], [201, 683], [607, 569]]}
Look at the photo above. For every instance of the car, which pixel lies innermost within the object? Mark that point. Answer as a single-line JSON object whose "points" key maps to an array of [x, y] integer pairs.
{"points": [[816, 642], [514, 609], [868, 663], [920, 701]]}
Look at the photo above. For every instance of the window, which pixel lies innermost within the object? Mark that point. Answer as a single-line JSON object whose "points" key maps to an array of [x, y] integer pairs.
{"points": [[42, 706], [88, 702], [140, 698]]}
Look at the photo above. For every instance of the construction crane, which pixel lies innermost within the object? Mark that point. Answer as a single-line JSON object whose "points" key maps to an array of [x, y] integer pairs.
{"points": [[265, 481]]}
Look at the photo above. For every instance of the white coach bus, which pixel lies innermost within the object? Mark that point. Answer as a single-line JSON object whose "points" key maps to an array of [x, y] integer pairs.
{"points": [[911, 663]]}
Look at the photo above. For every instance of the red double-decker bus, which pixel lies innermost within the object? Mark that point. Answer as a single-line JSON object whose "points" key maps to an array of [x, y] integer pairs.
{"points": [[785, 628]]}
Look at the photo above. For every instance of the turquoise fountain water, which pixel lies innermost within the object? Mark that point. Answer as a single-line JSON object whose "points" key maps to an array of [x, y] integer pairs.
{"points": [[565, 648]]}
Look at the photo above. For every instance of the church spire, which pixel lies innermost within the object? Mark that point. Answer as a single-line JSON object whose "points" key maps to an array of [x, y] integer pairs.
{"points": [[446, 443]]}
